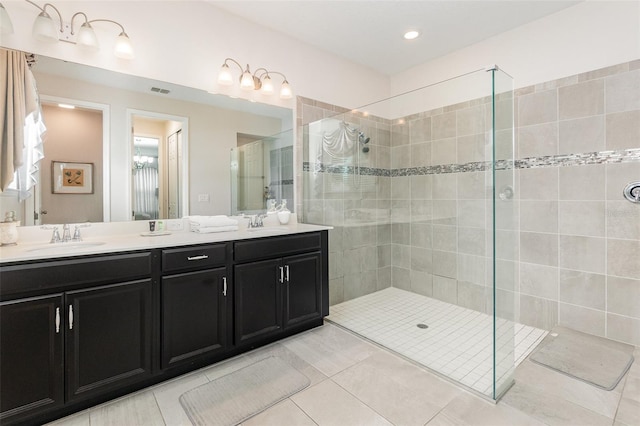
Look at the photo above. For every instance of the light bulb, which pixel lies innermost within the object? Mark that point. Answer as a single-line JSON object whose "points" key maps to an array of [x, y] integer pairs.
{"points": [[246, 81], [123, 48], [285, 90], [44, 29], [267, 85], [87, 38], [224, 77]]}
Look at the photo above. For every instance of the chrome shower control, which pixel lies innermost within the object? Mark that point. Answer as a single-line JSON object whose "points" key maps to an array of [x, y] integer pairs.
{"points": [[632, 192]]}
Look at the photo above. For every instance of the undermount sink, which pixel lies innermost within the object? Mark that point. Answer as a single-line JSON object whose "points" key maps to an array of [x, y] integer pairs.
{"points": [[70, 246], [269, 230]]}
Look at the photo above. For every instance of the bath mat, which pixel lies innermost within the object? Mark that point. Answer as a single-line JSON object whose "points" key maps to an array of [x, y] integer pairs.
{"points": [[232, 399], [594, 360]]}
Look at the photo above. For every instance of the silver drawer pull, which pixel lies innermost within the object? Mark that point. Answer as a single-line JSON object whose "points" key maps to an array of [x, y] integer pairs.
{"points": [[201, 257], [224, 286], [70, 317], [57, 320]]}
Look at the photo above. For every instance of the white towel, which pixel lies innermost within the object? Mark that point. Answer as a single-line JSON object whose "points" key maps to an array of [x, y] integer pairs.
{"points": [[209, 229], [207, 221]]}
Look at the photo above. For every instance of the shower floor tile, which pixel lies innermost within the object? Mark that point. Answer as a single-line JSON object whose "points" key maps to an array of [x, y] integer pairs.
{"points": [[458, 342]]}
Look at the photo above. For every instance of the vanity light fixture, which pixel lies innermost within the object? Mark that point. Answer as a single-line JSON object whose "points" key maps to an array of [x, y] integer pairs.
{"points": [[259, 80], [46, 29], [6, 27]]}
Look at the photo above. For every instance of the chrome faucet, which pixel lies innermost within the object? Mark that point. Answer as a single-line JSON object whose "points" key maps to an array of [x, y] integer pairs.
{"points": [[256, 221]]}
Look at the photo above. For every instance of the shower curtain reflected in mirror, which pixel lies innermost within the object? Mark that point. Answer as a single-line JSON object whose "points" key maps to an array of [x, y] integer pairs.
{"points": [[145, 194]]}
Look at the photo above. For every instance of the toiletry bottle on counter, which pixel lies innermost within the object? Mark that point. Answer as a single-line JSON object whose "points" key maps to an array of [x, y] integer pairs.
{"points": [[9, 229], [283, 213]]}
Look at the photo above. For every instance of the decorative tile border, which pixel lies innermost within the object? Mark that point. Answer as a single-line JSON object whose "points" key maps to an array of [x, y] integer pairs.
{"points": [[603, 157]]}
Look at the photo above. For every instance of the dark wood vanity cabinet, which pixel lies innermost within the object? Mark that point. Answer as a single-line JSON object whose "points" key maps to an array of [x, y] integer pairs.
{"points": [[194, 303], [78, 331], [76, 344], [275, 289], [31, 356]]}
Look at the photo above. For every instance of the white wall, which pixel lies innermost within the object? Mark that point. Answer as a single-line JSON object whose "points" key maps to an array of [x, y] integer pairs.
{"points": [[186, 42], [581, 38]]}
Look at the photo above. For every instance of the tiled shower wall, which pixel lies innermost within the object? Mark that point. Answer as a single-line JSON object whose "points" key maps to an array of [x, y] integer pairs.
{"points": [[577, 255]]}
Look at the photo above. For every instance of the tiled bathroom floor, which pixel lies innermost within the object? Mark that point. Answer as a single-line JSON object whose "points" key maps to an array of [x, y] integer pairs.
{"points": [[458, 342], [354, 382]]}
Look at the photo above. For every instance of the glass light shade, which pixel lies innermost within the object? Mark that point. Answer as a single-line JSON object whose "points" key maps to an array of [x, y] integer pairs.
{"points": [[123, 48], [44, 29], [87, 37], [246, 81], [224, 77], [6, 27], [267, 85], [285, 90]]}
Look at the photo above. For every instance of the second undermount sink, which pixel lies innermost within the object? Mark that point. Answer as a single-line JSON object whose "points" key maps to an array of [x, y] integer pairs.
{"points": [[268, 230], [70, 246]]}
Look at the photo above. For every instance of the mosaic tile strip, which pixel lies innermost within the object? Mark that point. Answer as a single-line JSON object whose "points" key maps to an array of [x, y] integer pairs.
{"points": [[603, 157]]}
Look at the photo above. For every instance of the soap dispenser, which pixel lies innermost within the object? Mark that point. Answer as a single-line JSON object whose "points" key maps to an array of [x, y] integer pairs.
{"points": [[283, 213]]}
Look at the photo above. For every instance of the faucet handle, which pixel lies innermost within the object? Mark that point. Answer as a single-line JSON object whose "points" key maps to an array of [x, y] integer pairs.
{"points": [[55, 238]]}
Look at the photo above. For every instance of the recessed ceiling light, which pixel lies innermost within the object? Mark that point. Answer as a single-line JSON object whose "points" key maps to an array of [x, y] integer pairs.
{"points": [[412, 34]]}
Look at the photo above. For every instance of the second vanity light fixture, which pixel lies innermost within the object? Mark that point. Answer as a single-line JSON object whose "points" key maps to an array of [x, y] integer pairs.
{"points": [[259, 80], [46, 29]]}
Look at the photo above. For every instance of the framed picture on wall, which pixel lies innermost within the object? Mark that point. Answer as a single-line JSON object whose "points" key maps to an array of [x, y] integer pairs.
{"points": [[71, 178]]}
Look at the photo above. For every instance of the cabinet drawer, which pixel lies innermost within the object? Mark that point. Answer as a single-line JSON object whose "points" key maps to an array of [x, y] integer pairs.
{"points": [[194, 258], [276, 246], [60, 275]]}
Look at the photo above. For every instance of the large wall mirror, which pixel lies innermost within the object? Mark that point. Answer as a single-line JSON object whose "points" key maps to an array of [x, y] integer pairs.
{"points": [[113, 127]]}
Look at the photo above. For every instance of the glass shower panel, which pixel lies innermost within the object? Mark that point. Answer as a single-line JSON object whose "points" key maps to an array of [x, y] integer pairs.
{"points": [[505, 232], [409, 183]]}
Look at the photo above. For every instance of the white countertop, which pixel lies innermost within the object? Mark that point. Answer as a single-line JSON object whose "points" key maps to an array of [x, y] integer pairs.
{"points": [[126, 236]]}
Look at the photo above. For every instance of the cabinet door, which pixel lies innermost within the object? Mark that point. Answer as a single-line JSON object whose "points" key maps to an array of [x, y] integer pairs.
{"points": [[31, 356], [108, 337], [194, 315], [258, 300], [303, 288]]}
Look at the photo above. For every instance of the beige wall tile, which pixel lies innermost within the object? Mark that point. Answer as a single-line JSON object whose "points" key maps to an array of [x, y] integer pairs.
{"points": [[623, 296], [582, 218], [539, 183], [539, 216], [581, 100], [536, 108], [538, 140], [538, 280], [445, 289], [624, 329], [421, 154], [582, 182], [443, 125], [420, 130], [583, 288], [541, 249], [581, 135], [623, 259], [623, 220], [623, 91], [582, 253], [623, 130], [582, 319]]}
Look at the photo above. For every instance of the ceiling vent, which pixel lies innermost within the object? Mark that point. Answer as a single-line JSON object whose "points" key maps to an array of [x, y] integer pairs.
{"points": [[159, 90]]}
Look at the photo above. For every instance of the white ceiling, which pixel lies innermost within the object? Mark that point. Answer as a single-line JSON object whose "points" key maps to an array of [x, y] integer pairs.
{"points": [[370, 32]]}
